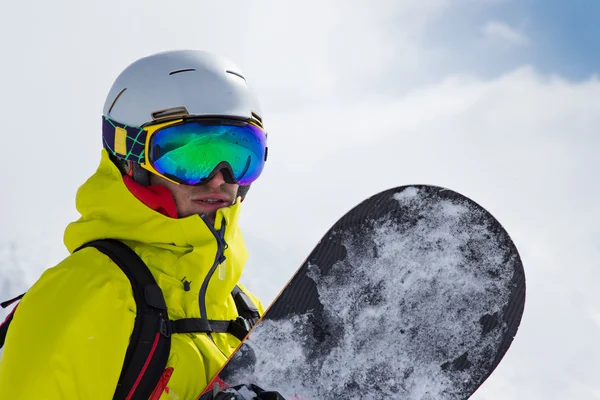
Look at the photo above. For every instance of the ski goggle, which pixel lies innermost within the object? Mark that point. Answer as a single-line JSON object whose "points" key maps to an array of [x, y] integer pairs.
{"points": [[191, 151]]}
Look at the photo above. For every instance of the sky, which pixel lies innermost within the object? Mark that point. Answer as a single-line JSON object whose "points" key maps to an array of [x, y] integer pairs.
{"points": [[496, 99]]}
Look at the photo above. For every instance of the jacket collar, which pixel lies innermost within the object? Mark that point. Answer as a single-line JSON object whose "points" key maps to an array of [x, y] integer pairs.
{"points": [[110, 210]]}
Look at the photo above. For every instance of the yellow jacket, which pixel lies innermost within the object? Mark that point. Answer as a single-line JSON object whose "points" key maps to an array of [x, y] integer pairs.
{"points": [[70, 332]]}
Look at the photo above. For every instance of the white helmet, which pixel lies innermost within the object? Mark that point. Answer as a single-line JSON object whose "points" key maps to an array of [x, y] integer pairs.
{"points": [[176, 84], [201, 83]]}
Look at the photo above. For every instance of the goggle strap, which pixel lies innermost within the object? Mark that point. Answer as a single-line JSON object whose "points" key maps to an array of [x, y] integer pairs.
{"points": [[125, 142]]}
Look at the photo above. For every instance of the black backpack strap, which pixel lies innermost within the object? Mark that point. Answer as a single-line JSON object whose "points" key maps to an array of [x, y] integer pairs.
{"points": [[246, 309], [7, 303], [237, 328], [150, 342], [4, 325], [4, 328], [248, 317]]}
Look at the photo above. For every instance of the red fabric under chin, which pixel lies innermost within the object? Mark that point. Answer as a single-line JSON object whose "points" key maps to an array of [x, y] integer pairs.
{"points": [[158, 198]]}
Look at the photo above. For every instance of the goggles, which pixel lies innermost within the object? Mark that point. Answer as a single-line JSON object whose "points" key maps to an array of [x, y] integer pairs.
{"points": [[191, 151]]}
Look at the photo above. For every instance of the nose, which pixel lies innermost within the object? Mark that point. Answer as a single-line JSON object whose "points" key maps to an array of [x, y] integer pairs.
{"points": [[216, 181]]}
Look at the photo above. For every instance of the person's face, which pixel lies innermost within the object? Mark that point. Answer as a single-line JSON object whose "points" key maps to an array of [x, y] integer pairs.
{"points": [[205, 199]]}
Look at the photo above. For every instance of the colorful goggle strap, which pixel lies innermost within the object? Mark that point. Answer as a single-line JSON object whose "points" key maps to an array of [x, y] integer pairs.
{"points": [[124, 142]]}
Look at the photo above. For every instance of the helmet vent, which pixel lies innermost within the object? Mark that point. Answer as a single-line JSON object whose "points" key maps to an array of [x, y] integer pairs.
{"points": [[236, 74], [256, 118], [181, 70], [170, 113], [115, 100]]}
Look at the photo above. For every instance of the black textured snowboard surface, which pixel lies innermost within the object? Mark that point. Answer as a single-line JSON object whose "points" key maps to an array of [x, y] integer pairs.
{"points": [[416, 293]]}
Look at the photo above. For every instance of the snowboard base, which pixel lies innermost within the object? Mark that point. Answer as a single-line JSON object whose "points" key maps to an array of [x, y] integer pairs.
{"points": [[416, 293]]}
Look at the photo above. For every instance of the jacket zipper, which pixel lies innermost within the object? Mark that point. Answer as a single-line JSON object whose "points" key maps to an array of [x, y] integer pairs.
{"points": [[219, 259]]}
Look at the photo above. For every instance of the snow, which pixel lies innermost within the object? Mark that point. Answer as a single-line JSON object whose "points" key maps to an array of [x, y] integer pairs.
{"points": [[394, 331]]}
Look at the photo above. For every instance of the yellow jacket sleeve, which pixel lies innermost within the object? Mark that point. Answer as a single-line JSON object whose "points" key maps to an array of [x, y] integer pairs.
{"points": [[70, 333]]}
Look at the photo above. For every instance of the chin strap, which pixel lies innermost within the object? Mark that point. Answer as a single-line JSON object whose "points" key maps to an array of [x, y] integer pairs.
{"points": [[243, 191], [139, 174], [132, 169]]}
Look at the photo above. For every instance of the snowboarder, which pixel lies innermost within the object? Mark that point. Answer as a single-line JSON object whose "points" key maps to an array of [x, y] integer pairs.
{"points": [[183, 141]]}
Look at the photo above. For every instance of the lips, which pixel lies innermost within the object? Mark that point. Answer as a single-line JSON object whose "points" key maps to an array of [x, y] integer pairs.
{"points": [[210, 203], [213, 199]]}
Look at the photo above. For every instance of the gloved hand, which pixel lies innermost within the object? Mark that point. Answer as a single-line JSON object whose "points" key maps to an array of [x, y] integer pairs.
{"points": [[241, 392]]}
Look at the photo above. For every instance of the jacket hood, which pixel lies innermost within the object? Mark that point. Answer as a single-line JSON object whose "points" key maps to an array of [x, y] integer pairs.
{"points": [[109, 210]]}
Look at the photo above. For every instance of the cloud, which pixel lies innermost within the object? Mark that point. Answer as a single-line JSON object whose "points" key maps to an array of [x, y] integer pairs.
{"points": [[502, 32], [522, 145]]}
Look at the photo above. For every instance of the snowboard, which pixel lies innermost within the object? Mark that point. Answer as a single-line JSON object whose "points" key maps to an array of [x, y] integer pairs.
{"points": [[415, 293]]}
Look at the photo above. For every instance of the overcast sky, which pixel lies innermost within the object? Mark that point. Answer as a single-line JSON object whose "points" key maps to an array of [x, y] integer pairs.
{"points": [[496, 99]]}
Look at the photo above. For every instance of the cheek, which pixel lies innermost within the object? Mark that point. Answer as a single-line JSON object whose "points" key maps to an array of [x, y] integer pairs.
{"points": [[233, 188], [181, 197], [183, 204]]}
